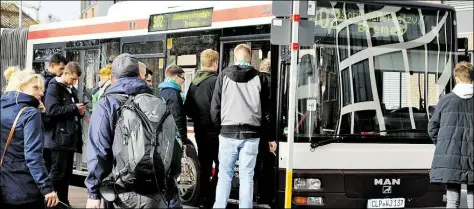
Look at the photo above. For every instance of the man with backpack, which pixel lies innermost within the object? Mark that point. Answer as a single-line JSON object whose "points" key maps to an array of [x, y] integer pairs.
{"points": [[129, 121]]}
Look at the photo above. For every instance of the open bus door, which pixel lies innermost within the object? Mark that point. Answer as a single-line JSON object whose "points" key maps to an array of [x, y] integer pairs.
{"points": [[265, 169]]}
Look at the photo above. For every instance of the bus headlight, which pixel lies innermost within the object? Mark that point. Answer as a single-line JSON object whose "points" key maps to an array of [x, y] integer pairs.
{"points": [[310, 184]]}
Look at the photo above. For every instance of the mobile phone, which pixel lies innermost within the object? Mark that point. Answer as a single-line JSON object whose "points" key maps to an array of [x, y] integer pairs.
{"points": [[85, 103]]}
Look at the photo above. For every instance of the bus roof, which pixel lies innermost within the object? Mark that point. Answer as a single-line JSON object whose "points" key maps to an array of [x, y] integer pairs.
{"points": [[123, 14]]}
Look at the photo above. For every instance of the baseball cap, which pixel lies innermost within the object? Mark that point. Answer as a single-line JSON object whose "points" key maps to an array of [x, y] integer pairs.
{"points": [[125, 65]]}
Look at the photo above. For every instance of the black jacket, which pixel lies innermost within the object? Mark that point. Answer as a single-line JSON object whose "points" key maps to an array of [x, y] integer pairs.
{"points": [[24, 177], [452, 130], [66, 133], [198, 102], [47, 78], [175, 104]]}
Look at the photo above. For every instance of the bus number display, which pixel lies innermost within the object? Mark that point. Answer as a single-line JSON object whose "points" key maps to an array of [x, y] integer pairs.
{"points": [[181, 20]]}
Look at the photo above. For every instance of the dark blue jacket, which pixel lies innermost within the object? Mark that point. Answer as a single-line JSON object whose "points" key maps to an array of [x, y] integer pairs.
{"points": [[101, 131], [24, 177], [175, 104]]}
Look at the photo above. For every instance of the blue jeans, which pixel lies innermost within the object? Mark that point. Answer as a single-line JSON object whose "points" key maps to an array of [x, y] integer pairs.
{"points": [[229, 151]]}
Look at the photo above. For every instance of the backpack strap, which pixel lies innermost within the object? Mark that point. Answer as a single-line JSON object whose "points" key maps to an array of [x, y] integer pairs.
{"points": [[10, 136], [154, 144]]}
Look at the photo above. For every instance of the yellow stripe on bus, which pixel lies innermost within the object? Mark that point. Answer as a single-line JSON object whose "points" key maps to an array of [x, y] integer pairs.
{"points": [[288, 188]]}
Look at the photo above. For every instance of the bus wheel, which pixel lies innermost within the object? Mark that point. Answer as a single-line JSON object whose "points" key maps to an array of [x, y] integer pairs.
{"points": [[188, 181]]}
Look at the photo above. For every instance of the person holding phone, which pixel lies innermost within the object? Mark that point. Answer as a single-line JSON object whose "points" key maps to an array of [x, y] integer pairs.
{"points": [[65, 136]]}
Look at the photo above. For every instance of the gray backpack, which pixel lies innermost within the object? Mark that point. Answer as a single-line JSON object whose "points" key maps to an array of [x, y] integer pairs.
{"points": [[145, 147]]}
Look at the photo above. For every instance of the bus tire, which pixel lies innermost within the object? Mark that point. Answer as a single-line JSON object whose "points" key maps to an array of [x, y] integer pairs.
{"points": [[189, 178]]}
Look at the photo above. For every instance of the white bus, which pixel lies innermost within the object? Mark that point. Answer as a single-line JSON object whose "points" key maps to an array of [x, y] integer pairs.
{"points": [[366, 88]]}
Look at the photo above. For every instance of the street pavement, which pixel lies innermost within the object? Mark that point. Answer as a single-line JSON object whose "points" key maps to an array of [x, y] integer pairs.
{"points": [[78, 197]]}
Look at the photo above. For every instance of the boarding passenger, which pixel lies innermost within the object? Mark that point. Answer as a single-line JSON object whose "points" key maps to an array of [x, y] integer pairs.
{"points": [[170, 90], [452, 131], [239, 108], [24, 181], [198, 106], [105, 75], [64, 138], [265, 166]]}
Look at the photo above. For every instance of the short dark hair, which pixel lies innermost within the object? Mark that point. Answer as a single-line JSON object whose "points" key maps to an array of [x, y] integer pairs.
{"points": [[57, 58], [148, 72], [73, 67], [173, 70]]}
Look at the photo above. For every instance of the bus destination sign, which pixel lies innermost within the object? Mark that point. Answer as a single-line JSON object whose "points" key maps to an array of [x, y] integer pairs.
{"points": [[180, 20]]}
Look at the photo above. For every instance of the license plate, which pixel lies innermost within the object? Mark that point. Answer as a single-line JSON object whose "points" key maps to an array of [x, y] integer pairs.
{"points": [[386, 203]]}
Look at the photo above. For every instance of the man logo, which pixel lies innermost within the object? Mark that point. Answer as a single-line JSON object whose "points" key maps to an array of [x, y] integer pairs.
{"points": [[387, 190], [383, 182]]}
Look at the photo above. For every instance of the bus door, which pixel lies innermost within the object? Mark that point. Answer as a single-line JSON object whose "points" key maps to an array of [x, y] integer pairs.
{"points": [[87, 54], [260, 50]]}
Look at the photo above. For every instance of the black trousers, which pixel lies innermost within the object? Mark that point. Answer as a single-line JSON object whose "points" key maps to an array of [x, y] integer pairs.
{"points": [[61, 173], [47, 158], [208, 148], [265, 171], [39, 204]]}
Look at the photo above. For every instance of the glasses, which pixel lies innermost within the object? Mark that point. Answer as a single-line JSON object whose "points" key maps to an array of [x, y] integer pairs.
{"points": [[182, 77]]}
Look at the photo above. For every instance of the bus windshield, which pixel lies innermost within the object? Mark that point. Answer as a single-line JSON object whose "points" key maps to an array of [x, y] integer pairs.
{"points": [[374, 69]]}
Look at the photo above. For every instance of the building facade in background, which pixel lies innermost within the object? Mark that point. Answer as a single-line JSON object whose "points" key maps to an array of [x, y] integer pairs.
{"points": [[95, 8], [9, 16]]}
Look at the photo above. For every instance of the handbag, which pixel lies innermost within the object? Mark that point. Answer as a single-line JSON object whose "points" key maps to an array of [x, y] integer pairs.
{"points": [[9, 140]]}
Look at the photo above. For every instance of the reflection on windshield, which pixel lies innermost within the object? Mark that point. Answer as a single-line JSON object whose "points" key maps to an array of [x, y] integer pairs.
{"points": [[358, 79]]}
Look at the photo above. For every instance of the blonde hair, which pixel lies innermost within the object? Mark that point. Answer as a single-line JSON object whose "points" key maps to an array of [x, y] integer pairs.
{"points": [[208, 57], [463, 71], [19, 78], [245, 48], [105, 72], [242, 46], [9, 71], [265, 65]]}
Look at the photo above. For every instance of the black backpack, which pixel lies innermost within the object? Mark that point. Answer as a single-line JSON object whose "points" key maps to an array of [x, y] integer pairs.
{"points": [[146, 148]]}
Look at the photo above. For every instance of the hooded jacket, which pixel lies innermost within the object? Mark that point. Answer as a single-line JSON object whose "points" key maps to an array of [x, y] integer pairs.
{"points": [[101, 131], [23, 176], [240, 103], [198, 101], [64, 131], [171, 93], [452, 131]]}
